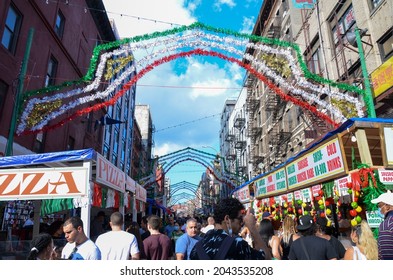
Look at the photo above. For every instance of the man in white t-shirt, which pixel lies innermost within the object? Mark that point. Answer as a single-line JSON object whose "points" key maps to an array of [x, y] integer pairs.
{"points": [[79, 246], [210, 225], [117, 244]]}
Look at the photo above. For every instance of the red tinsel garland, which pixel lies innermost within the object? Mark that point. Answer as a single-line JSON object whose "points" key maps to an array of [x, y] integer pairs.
{"points": [[169, 58]]}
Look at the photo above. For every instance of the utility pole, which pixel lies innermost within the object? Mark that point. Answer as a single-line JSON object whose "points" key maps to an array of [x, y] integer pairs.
{"points": [[18, 97], [368, 95]]}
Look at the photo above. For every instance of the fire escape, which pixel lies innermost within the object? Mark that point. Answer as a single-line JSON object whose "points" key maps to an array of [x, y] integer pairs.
{"points": [[317, 126], [277, 137], [254, 129], [240, 144]]}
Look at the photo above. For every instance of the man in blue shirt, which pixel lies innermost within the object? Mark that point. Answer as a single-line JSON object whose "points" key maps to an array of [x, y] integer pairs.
{"points": [[170, 227], [186, 242]]}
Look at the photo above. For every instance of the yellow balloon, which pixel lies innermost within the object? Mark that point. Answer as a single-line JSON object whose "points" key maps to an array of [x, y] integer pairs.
{"points": [[329, 223], [304, 204], [328, 211], [358, 209], [354, 222], [320, 202]]}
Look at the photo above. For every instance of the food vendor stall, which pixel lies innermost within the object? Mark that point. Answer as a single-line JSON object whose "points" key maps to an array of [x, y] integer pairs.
{"points": [[71, 182], [338, 175]]}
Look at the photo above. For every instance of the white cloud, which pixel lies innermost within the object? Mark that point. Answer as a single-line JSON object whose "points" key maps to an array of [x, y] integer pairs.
{"points": [[192, 5], [219, 3], [248, 25], [140, 18], [167, 148]]}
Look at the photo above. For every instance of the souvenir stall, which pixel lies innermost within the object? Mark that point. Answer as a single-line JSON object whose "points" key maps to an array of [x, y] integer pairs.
{"points": [[335, 178], [70, 182]]}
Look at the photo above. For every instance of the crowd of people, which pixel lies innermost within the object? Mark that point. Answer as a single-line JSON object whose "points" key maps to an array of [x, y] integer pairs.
{"points": [[231, 233]]}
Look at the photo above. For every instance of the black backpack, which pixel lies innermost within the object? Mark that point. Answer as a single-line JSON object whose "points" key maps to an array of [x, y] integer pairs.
{"points": [[222, 251]]}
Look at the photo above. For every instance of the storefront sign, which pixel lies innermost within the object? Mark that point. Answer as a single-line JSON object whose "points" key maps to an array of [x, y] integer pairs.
{"points": [[306, 194], [386, 176], [272, 183], [130, 184], [316, 166], [140, 193], [303, 4], [382, 78], [342, 185], [298, 195], [243, 195], [109, 175], [43, 183], [373, 219], [290, 196], [315, 190]]}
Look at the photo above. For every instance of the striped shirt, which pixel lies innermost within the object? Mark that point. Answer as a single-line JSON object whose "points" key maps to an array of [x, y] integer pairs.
{"points": [[385, 238]]}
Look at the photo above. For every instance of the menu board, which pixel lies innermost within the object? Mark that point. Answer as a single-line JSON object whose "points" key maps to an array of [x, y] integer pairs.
{"points": [[272, 183], [323, 162]]}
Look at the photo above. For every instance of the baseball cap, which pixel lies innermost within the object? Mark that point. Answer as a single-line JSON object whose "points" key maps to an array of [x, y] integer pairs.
{"points": [[266, 215], [305, 222], [386, 198]]}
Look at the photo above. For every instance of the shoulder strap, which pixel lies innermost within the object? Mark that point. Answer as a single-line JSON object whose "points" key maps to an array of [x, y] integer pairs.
{"points": [[224, 248], [201, 252], [304, 248]]}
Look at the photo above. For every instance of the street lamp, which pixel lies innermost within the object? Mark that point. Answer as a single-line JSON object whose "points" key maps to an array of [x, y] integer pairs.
{"points": [[355, 39], [210, 147]]}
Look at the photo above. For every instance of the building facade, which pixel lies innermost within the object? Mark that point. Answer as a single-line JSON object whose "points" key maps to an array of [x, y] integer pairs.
{"points": [[63, 39], [277, 129]]}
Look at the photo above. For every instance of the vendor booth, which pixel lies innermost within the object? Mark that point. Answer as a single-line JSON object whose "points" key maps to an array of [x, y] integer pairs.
{"points": [[57, 186], [335, 178]]}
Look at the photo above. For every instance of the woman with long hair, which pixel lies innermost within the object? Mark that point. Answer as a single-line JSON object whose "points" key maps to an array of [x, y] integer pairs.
{"points": [[135, 230], [42, 248], [288, 235], [366, 246], [266, 231]]}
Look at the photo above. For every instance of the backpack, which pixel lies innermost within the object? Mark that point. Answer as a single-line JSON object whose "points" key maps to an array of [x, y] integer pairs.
{"points": [[222, 251]]}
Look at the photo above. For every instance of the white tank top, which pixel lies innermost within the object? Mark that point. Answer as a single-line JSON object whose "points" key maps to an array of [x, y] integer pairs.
{"points": [[357, 255]]}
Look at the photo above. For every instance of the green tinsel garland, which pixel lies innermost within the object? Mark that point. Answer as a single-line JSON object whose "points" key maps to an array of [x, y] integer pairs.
{"points": [[112, 45]]}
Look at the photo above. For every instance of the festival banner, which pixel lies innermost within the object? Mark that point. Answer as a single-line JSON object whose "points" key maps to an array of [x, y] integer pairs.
{"points": [[316, 166], [272, 183]]}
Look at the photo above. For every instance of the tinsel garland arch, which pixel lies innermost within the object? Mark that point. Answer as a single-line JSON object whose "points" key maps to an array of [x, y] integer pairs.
{"points": [[114, 64]]}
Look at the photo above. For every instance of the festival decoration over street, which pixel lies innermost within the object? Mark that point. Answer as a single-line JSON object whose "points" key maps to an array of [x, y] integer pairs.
{"points": [[116, 67]]}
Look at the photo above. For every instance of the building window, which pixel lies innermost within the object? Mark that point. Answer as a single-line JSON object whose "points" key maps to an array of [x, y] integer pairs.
{"points": [[3, 93], [106, 151], [70, 144], [39, 143], [59, 26], [344, 24], [386, 45], [51, 72], [314, 64], [374, 4], [11, 29]]}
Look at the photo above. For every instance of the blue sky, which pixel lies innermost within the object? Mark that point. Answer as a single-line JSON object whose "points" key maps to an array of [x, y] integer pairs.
{"points": [[186, 90]]}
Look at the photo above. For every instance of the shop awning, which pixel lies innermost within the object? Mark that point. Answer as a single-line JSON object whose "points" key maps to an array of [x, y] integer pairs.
{"points": [[50, 159]]}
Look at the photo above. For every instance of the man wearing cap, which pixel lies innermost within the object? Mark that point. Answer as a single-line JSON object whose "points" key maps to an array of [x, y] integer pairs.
{"points": [[309, 246], [385, 237]]}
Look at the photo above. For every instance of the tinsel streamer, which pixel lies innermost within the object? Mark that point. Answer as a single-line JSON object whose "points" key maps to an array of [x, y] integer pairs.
{"points": [[123, 45], [199, 52]]}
